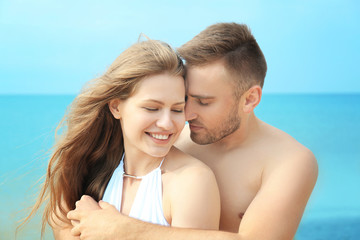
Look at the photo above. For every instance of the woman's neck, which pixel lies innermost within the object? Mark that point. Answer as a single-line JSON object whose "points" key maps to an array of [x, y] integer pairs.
{"points": [[138, 163]]}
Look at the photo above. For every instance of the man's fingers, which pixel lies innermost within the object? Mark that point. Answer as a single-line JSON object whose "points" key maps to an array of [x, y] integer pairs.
{"points": [[74, 215], [74, 223], [103, 204], [87, 198], [75, 231], [86, 203]]}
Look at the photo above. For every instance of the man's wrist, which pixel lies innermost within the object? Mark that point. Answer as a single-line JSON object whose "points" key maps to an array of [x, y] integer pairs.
{"points": [[124, 228]]}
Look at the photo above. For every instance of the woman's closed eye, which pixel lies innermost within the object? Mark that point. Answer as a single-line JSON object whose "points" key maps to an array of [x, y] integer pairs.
{"points": [[178, 110], [150, 109]]}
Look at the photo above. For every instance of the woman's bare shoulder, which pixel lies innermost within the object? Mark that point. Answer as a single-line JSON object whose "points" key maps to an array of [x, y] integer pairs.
{"points": [[182, 168], [181, 161], [192, 192]]}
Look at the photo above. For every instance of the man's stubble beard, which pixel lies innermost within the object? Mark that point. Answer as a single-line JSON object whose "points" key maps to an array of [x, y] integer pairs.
{"points": [[230, 125]]}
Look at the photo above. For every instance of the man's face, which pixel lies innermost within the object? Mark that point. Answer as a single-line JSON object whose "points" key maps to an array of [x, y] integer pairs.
{"points": [[211, 108]]}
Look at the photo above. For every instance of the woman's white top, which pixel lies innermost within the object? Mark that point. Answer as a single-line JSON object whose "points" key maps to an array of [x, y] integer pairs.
{"points": [[147, 205]]}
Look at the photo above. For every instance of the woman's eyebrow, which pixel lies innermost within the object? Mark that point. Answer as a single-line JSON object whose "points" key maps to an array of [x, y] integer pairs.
{"points": [[161, 103]]}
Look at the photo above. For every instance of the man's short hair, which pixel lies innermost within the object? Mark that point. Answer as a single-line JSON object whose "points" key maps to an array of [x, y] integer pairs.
{"points": [[233, 44]]}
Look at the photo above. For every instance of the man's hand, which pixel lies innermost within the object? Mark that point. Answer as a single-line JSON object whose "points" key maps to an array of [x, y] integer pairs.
{"points": [[92, 220]]}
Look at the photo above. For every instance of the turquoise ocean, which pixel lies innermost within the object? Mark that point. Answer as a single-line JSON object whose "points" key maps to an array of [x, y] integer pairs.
{"points": [[328, 124]]}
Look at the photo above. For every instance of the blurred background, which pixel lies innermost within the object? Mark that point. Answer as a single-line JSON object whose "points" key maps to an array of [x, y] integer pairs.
{"points": [[49, 49]]}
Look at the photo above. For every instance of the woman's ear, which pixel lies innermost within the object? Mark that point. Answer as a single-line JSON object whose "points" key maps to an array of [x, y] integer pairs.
{"points": [[252, 98], [114, 106]]}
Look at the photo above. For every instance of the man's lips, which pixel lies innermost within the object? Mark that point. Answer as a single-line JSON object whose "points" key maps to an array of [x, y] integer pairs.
{"points": [[194, 127]]}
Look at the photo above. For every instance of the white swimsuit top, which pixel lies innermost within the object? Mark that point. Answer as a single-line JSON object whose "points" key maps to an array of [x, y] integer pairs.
{"points": [[147, 205]]}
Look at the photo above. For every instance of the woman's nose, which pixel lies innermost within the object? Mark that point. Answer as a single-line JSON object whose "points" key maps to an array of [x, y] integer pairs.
{"points": [[165, 121]]}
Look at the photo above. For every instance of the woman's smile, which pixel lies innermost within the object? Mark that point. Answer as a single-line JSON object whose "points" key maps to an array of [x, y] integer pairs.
{"points": [[160, 138]]}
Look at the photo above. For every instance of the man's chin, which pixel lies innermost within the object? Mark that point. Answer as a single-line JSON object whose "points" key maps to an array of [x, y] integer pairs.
{"points": [[196, 138]]}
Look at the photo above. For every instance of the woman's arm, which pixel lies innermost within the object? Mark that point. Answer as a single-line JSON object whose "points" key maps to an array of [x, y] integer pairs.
{"points": [[195, 199]]}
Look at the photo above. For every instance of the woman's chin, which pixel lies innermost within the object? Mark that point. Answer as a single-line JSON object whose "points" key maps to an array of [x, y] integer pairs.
{"points": [[159, 153]]}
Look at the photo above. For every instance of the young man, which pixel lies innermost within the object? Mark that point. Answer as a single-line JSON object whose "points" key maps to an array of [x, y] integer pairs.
{"points": [[265, 176]]}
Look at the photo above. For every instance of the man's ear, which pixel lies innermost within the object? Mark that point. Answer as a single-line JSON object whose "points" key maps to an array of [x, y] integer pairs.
{"points": [[114, 107], [252, 98]]}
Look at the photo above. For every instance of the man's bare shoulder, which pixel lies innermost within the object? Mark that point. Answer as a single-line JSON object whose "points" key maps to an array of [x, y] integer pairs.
{"points": [[279, 140], [286, 150]]}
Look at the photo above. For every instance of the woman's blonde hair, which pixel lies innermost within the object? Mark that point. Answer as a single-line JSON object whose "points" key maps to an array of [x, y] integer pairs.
{"points": [[91, 144]]}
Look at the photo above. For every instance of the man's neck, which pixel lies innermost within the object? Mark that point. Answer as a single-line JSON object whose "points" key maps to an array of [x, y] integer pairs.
{"points": [[248, 127]]}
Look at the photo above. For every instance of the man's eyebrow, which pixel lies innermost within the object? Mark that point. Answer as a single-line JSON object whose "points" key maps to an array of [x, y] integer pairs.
{"points": [[161, 103], [201, 96]]}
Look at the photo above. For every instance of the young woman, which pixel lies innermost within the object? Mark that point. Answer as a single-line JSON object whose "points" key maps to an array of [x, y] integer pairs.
{"points": [[117, 145]]}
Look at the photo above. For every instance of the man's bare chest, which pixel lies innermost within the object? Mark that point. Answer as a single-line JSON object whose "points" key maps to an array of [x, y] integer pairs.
{"points": [[238, 181]]}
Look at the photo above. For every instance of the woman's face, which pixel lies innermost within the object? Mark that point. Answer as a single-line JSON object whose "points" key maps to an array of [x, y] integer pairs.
{"points": [[153, 117]]}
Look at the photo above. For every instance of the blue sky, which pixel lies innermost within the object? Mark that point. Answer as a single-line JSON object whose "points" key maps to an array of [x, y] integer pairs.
{"points": [[54, 47]]}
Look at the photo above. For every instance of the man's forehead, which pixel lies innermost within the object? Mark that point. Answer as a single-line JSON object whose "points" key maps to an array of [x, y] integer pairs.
{"points": [[207, 79], [215, 71]]}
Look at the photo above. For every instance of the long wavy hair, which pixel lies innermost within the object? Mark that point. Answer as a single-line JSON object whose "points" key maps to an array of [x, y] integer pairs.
{"points": [[89, 141]]}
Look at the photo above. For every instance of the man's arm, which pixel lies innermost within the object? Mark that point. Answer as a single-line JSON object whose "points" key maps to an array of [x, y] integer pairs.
{"points": [[107, 223], [136, 229], [277, 208]]}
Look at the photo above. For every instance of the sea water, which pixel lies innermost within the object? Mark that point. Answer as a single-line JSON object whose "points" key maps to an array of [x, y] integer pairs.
{"points": [[329, 125]]}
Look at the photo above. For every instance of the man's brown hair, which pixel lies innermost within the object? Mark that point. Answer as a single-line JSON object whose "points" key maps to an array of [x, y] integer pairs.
{"points": [[233, 44]]}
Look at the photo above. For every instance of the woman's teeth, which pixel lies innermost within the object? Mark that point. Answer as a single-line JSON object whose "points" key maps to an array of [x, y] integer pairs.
{"points": [[160, 136]]}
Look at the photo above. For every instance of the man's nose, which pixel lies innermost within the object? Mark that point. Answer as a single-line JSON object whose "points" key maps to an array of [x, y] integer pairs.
{"points": [[189, 111]]}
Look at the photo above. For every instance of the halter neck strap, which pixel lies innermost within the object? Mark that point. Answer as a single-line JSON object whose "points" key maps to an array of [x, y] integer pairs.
{"points": [[137, 177]]}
